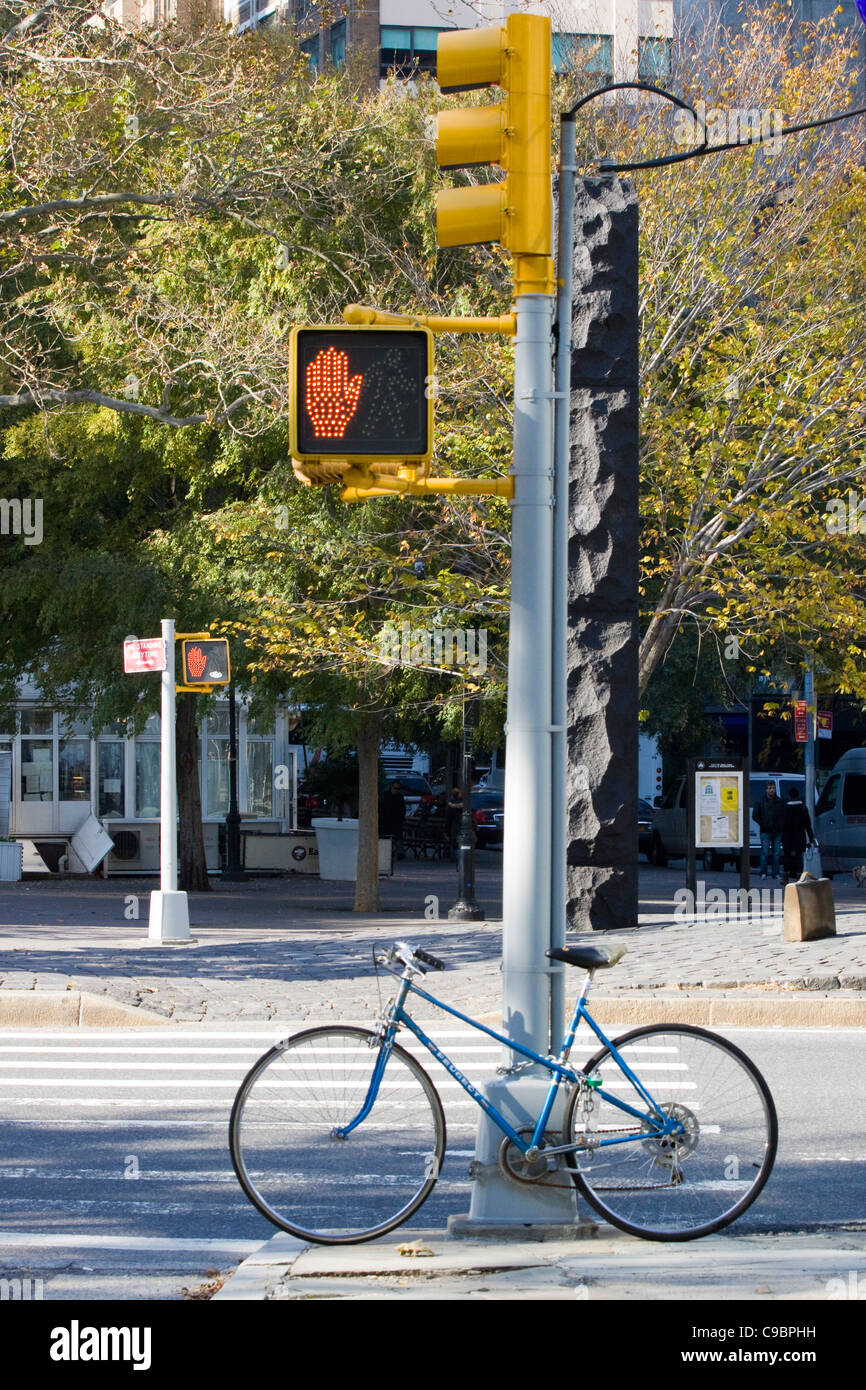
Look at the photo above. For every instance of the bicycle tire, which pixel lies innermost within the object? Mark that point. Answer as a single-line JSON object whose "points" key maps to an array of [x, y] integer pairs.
{"points": [[298, 1174], [650, 1191]]}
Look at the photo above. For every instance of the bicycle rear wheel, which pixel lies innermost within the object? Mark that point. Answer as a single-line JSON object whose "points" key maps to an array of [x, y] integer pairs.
{"points": [[299, 1173], [682, 1187]]}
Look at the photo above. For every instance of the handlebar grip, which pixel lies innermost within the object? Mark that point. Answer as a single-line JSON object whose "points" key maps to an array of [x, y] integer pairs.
{"points": [[427, 959]]}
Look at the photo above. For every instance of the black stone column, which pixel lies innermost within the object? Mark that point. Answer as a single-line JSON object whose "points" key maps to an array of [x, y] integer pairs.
{"points": [[603, 560]]}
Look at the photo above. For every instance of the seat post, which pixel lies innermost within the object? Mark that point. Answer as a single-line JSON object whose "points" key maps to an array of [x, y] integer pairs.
{"points": [[568, 1042]]}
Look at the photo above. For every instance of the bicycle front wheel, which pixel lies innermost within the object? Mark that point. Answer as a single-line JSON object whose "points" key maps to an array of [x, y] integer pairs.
{"points": [[681, 1186], [293, 1163]]}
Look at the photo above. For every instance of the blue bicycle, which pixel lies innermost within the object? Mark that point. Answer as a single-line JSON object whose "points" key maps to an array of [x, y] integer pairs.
{"points": [[338, 1135]]}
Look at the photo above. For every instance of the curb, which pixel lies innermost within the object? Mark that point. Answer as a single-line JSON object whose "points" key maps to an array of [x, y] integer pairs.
{"points": [[53, 1008], [259, 1272], [748, 1011]]}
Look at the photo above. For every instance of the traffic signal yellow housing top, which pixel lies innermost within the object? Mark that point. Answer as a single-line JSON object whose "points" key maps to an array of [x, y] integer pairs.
{"points": [[514, 134]]}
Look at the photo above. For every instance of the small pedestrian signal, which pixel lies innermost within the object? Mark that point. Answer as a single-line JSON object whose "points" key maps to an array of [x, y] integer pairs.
{"points": [[206, 662]]}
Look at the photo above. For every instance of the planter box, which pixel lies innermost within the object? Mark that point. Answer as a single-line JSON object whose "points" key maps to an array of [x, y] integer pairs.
{"points": [[11, 861], [337, 842]]}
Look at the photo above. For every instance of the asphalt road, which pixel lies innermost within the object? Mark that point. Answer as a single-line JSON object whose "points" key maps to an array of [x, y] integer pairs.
{"points": [[117, 1183]]}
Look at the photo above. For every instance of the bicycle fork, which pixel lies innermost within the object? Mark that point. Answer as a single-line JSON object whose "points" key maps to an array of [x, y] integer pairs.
{"points": [[387, 1032]]}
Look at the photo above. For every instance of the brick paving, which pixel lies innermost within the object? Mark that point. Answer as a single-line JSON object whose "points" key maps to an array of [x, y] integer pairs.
{"points": [[292, 949]]}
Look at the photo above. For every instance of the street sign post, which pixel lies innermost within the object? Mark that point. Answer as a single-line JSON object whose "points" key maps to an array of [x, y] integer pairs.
{"points": [[169, 909]]}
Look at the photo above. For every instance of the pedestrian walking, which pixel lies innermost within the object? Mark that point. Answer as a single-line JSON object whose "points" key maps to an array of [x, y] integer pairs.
{"points": [[769, 817], [797, 833]]}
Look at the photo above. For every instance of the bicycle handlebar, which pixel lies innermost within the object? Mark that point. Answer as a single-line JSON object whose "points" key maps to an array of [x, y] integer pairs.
{"points": [[425, 957]]}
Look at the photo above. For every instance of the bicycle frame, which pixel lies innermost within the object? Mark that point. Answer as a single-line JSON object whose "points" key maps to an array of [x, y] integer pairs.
{"points": [[660, 1123]]}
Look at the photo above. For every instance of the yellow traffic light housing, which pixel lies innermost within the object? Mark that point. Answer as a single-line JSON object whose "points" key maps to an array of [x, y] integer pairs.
{"points": [[515, 134]]}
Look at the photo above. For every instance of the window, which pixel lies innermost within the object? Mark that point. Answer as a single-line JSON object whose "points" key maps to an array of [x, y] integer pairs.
{"points": [[146, 779], [37, 768], [110, 780], [654, 60], [854, 794], [592, 52], [407, 51], [310, 47], [36, 721], [829, 796], [338, 44], [217, 776], [260, 777], [217, 752], [74, 769]]}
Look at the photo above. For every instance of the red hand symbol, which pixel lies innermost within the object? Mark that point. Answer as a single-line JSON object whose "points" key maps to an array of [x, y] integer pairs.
{"points": [[196, 661], [332, 398]]}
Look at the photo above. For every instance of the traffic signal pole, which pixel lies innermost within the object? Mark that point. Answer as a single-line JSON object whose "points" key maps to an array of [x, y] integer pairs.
{"points": [[519, 1090], [169, 910]]}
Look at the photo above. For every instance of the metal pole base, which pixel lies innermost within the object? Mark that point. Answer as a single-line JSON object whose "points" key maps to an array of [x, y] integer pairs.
{"points": [[169, 917], [500, 1201], [466, 910]]}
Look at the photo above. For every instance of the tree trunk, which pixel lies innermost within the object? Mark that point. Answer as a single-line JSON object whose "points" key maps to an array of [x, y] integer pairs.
{"points": [[367, 881], [192, 868]]}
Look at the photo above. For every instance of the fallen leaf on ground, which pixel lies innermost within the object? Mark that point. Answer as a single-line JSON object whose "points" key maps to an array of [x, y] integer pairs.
{"points": [[414, 1247]]}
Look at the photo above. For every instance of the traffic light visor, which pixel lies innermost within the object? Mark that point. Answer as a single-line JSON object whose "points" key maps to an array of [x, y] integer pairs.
{"points": [[467, 58]]}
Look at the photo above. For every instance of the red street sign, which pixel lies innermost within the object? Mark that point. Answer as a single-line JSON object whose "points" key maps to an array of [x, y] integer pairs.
{"points": [[143, 654], [825, 723], [801, 721]]}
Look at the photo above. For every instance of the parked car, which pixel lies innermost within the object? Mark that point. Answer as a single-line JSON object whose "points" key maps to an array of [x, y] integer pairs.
{"points": [[840, 815], [310, 803], [644, 827], [488, 814], [668, 839]]}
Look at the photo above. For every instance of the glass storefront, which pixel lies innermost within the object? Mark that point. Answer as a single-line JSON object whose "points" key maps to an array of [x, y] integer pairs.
{"points": [[60, 762]]}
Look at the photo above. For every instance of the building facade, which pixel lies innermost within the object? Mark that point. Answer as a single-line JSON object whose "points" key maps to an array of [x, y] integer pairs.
{"points": [[384, 37], [61, 774]]}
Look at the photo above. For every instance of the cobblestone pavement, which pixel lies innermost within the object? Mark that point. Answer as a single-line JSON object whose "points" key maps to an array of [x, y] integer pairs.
{"points": [[292, 949]]}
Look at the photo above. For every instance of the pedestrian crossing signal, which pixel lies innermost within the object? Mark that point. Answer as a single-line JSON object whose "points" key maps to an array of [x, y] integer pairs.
{"points": [[206, 662], [361, 394]]}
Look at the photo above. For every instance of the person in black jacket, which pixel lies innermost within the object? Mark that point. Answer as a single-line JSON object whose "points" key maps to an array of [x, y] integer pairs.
{"points": [[797, 833], [392, 815], [769, 817]]}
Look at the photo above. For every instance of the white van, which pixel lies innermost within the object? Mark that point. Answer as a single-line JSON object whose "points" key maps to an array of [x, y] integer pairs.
{"points": [[840, 816]]}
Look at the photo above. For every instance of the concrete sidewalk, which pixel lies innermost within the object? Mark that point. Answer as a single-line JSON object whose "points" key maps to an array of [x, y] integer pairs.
{"points": [[430, 1265], [289, 950]]}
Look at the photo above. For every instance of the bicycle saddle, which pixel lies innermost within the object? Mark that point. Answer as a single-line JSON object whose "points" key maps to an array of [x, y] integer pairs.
{"points": [[589, 957]]}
